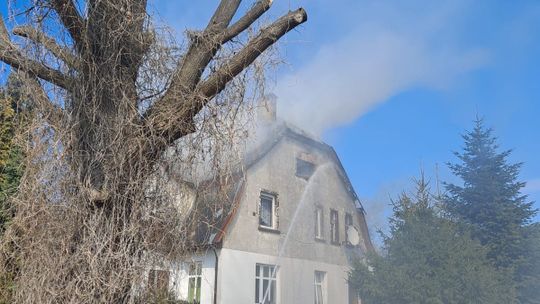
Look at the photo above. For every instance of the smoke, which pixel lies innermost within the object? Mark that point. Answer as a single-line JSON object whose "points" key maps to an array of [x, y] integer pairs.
{"points": [[390, 51]]}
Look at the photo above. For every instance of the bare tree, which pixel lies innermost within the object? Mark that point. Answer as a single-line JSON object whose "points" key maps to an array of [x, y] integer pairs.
{"points": [[111, 98]]}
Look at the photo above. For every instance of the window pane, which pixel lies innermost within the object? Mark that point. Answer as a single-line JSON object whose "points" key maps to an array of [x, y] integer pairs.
{"points": [[191, 289], [257, 298], [266, 212], [198, 293], [272, 293], [318, 223], [265, 291], [318, 294]]}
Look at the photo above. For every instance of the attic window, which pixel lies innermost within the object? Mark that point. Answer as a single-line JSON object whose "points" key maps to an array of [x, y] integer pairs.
{"points": [[304, 168]]}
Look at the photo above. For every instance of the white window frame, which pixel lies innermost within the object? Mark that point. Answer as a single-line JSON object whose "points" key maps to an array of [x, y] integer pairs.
{"points": [[272, 279], [273, 197], [194, 277], [319, 216], [321, 285]]}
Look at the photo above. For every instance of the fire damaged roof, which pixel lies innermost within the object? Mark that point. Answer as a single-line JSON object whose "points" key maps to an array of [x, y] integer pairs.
{"points": [[217, 201]]}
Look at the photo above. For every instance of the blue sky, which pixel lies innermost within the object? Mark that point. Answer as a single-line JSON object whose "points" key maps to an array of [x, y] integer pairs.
{"points": [[392, 84]]}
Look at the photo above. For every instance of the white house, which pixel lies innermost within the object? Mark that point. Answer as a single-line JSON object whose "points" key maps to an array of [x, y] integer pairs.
{"points": [[293, 228]]}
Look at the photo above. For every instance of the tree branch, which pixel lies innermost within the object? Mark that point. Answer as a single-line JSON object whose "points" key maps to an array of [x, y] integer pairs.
{"points": [[49, 43], [171, 120], [216, 82], [202, 49], [72, 20], [52, 113], [243, 23], [13, 57]]}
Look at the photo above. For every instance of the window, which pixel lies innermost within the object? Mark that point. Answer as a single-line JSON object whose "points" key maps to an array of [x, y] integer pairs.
{"points": [[348, 224], [320, 288], [158, 281], [194, 279], [267, 211], [265, 284], [319, 223], [304, 169], [334, 227]]}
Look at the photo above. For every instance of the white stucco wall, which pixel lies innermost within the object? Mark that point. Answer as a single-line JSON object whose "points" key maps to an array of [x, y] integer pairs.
{"points": [[236, 278], [295, 279]]}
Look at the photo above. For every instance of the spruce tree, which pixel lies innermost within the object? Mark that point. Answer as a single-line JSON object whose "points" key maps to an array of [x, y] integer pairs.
{"points": [[490, 200], [429, 259]]}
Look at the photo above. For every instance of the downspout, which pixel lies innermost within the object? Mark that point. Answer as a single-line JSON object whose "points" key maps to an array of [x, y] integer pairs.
{"points": [[215, 274]]}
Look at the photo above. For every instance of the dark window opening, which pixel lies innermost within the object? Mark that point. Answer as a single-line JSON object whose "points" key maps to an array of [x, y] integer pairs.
{"points": [[304, 169]]}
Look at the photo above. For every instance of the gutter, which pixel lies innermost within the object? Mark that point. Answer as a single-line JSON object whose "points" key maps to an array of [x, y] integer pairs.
{"points": [[215, 274]]}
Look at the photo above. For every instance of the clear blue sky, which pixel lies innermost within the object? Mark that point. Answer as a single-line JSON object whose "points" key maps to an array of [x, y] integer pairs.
{"points": [[392, 84]]}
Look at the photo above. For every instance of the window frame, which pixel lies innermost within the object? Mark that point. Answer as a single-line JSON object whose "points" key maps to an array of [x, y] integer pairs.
{"points": [[322, 286], [274, 210], [195, 296], [334, 227], [272, 278], [319, 223]]}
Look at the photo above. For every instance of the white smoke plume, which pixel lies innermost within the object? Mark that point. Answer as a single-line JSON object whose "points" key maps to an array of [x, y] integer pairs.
{"points": [[392, 49]]}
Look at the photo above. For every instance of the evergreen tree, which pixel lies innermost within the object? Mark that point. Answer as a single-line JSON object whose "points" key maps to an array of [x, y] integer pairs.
{"points": [[428, 259], [13, 113], [528, 273], [490, 203]]}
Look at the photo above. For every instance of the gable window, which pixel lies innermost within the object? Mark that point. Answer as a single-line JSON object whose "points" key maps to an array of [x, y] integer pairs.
{"points": [[304, 168], [265, 284], [334, 227], [158, 281], [319, 223], [348, 224], [267, 211], [194, 282], [320, 287]]}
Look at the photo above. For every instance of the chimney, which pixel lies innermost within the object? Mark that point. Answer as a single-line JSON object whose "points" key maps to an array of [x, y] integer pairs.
{"points": [[266, 109]]}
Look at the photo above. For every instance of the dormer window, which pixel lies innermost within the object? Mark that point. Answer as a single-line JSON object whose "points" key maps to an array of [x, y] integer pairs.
{"points": [[304, 168], [268, 211]]}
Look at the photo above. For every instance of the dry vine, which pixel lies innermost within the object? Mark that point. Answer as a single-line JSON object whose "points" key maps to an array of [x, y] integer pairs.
{"points": [[123, 118]]}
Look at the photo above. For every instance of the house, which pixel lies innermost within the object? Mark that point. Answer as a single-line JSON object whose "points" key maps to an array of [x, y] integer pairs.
{"points": [[293, 227]]}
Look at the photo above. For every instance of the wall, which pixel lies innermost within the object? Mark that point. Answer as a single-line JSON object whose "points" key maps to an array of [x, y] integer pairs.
{"points": [[298, 199], [295, 279]]}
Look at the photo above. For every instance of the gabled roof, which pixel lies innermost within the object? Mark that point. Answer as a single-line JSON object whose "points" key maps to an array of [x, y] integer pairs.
{"points": [[216, 203]]}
